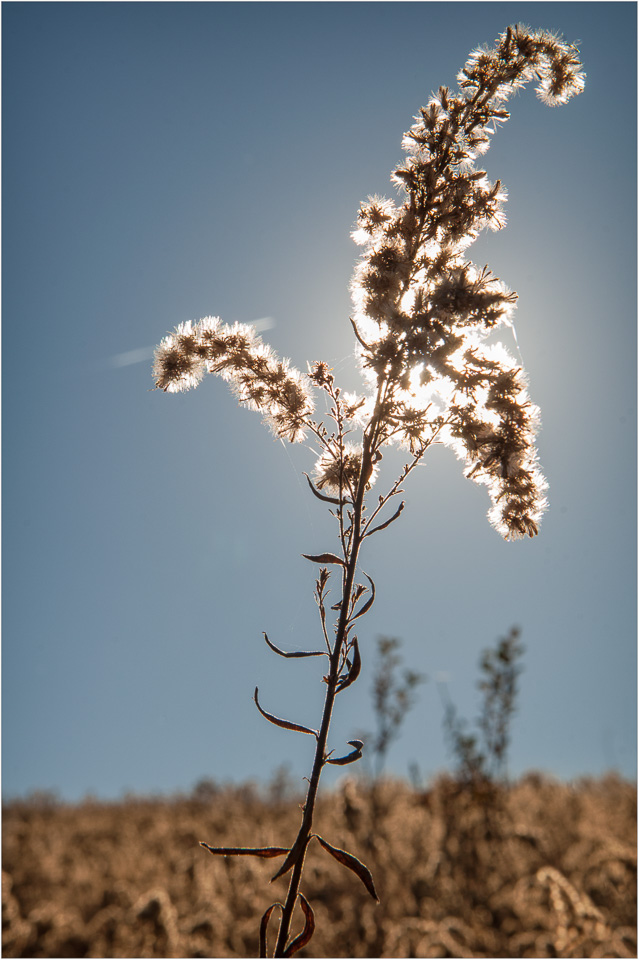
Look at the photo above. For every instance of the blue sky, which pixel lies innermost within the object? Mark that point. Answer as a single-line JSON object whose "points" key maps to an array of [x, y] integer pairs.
{"points": [[169, 161]]}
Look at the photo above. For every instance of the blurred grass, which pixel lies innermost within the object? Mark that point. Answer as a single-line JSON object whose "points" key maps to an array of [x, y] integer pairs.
{"points": [[537, 869]]}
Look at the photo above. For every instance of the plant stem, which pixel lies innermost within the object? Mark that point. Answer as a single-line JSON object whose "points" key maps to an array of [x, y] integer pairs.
{"points": [[304, 834]]}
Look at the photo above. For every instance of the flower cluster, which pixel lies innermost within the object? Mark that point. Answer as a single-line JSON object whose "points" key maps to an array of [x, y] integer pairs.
{"points": [[338, 471], [260, 380], [423, 311]]}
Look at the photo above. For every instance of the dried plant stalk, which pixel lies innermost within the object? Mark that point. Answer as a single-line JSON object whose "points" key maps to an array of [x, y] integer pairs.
{"points": [[422, 313]]}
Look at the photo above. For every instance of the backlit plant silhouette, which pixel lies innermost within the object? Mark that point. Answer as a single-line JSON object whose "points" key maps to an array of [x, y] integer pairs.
{"points": [[422, 313], [392, 700], [482, 756]]}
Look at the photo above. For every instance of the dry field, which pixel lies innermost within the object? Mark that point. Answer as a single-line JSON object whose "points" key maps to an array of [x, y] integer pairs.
{"points": [[542, 869]]}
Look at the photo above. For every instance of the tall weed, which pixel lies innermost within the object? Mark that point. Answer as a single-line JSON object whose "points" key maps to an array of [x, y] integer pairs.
{"points": [[422, 314]]}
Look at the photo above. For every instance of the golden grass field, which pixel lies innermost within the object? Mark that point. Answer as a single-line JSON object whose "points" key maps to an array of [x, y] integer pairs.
{"points": [[539, 869]]}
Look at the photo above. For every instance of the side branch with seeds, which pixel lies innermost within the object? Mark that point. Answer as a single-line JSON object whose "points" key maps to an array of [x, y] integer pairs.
{"points": [[422, 314]]}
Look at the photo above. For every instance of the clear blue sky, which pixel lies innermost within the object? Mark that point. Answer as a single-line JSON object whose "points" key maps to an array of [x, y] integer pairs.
{"points": [[167, 161]]}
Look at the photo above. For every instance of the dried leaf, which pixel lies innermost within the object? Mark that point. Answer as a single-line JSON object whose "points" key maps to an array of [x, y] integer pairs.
{"points": [[292, 857], [350, 757], [264, 852], [324, 558], [354, 671], [309, 928], [348, 860], [297, 653], [368, 604], [369, 533], [264, 925], [287, 724], [320, 496], [363, 342]]}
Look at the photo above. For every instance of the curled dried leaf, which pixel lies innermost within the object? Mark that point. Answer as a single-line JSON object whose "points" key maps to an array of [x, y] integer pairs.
{"points": [[309, 928], [350, 861], [264, 926], [321, 496], [287, 724], [296, 850], [354, 671], [357, 334], [381, 526], [350, 757], [369, 603], [296, 653]]}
